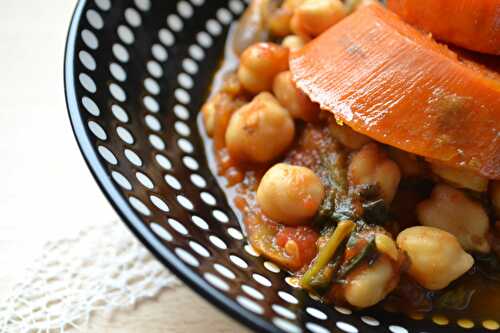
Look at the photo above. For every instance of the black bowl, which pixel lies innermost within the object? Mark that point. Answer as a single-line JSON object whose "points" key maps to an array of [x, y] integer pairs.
{"points": [[136, 74]]}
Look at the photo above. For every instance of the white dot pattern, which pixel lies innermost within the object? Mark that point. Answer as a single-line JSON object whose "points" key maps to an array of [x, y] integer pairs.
{"points": [[90, 106], [126, 35], [158, 175], [119, 113], [133, 17], [87, 60], [200, 249], [284, 312], [103, 4], [161, 232], [315, 328], [118, 72], [90, 39], [97, 130], [117, 92], [121, 180], [132, 157], [120, 52], [95, 19], [87, 82]]}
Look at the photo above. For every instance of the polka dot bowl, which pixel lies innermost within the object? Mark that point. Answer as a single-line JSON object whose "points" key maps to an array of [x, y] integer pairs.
{"points": [[136, 74]]}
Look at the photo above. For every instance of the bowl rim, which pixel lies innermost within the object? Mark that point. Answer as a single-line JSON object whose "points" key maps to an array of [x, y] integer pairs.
{"points": [[125, 212]]}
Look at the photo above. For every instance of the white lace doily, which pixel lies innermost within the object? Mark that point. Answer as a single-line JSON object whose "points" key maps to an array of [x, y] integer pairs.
{"points": [[104, 268]]}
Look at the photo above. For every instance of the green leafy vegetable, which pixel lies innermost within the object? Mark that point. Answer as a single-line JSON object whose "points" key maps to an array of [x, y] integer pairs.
{"points": [[335, 167], [368, 252], [337, 205], [327, 252], [322, 281], [489, 266], [368, 191], [455, 299], [326, 210], [376, 212]]}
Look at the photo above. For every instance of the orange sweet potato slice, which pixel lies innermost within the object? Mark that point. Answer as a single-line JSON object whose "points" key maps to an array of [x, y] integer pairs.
{"points": [[387, 80], [472, 24]]}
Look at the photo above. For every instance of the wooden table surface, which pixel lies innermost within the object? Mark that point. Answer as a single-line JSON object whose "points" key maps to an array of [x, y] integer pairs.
{"points": [[46, 190]]}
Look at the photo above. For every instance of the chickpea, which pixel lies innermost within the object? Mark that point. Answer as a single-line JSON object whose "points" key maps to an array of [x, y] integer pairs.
{"points": [[279, 21], [387, 246], [290, 194], [292, 4], [213, 110], [370, 166], [451, 210], [293, 99], [346, 136], [315, 16], [372, 284], [259, 131], [231, 85], [253, 25], [294, 42], [436, 257], [259, 64], [208, 111], [408, 163], [461, 178], [353, 5], [495, 196]]}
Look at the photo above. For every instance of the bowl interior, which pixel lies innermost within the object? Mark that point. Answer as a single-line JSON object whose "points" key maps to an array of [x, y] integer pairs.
{"points": [[136, 74]]}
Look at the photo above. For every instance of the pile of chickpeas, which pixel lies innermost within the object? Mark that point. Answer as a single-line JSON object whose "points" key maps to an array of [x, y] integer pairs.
{"points": [[262, 129]]}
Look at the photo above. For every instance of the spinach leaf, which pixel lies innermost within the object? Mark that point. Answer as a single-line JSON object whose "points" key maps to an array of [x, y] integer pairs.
{"points": [[455, 299], [368, 191], [324, 216], [334, 168], [367, 253], [376, 212], [327, 252], [489, 266], [337, 204], [322, 281]]}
